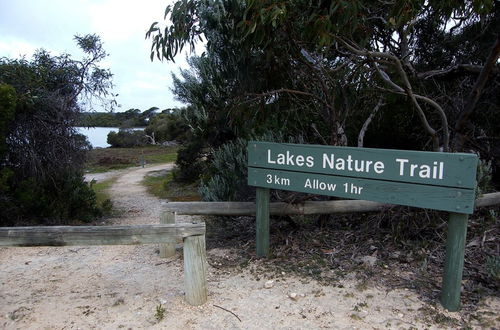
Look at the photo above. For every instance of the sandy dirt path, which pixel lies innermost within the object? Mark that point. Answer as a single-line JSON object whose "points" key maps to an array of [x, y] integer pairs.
{"points": [[117, 287]]}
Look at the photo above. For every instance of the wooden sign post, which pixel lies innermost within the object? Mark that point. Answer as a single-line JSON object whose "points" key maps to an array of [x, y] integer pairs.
{"points": [[434, 180]]}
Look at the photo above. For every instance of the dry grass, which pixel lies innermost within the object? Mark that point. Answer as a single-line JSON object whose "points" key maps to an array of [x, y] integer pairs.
{"points": [[163, 186], [105, 159]]}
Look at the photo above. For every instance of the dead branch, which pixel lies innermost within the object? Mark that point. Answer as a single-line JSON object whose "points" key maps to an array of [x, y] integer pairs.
{"points": [[152, 138], [227, 310], [318, 133], [399, 90], [283, 90], [287, 91]]}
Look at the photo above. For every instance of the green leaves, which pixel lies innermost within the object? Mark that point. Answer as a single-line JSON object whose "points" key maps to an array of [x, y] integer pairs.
{"points": [[182, 29], [254, 74], [152, 28], [482, 7], [8, 100], [167, 11]]}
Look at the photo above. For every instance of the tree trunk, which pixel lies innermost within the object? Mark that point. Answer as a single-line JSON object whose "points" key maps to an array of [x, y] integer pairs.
{"points": [[362, 132], [339, 138]]}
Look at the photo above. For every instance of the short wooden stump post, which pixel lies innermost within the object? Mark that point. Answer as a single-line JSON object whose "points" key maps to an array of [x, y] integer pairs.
{"points": [[195, 270], [167, 249]]}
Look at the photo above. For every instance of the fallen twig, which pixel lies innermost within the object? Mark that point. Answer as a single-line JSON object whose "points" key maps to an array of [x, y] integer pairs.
{"points": [[165, 262], [227, 310]]}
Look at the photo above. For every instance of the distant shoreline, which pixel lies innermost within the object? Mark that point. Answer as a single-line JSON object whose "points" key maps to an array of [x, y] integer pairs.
{"points": [[98, 135]]}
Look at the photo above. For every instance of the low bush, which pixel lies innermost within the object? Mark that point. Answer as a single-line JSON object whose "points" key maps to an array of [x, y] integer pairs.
{"points": [[168, 127], [229, 181], [56, 200], [127, 138], [113, 161], [226, 177], [190, 162]]}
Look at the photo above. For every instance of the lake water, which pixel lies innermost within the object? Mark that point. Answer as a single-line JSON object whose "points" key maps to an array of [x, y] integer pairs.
{"points": [[97, 136]]}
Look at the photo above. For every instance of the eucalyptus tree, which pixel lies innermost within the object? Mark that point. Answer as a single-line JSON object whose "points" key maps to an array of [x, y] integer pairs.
{"points": [[239, 88], [416, 49], [336, 58], [225, 87]]}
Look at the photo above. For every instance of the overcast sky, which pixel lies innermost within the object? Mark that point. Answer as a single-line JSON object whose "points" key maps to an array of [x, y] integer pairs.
{"points": [[26, 25]]}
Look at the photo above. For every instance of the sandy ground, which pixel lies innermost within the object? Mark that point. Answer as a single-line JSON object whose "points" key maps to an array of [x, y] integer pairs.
{"points": [[125, 286]]}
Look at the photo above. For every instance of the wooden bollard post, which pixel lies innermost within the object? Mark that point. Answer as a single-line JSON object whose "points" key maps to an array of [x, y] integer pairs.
{"points": [[195, 270], [262, 219], [454, 263], [167, 249]]}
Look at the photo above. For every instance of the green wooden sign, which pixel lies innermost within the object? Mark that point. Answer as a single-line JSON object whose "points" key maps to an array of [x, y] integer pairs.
{"points": [[429, 168], [434, 180], [410, 194]]}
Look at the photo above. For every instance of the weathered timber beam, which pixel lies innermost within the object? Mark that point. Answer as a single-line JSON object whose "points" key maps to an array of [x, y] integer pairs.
{"points": [[488, 200], [248, 208], [98, 235], [308, 207]]}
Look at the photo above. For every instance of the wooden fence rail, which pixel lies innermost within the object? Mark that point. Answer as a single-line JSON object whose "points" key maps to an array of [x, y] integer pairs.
{"points": [[192, 234], [97, 235], [308, 207]]}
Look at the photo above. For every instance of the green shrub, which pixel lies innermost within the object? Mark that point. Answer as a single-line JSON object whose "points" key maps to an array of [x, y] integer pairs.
{"points": [[492, 267], [41, 153], [107, 207], [229, 181], [168, 127], [484, 178], [7, 111], [226, 179], [127, 138], [190, 162], [56, 200]]}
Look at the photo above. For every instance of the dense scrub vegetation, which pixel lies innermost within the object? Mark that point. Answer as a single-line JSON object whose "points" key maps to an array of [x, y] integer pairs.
{"points": [[403, 74], [127, 138], [41, 154], [164, 127], [168, 126]]}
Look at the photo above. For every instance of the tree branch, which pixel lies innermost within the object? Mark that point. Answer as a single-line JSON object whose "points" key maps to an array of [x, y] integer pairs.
{"points": [[464, 118], [460, 69], [363, 130], [406, 90], [288, 91]]}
